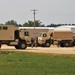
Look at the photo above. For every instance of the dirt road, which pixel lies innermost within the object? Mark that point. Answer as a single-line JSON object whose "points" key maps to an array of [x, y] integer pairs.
{"points": [[52, 49]]}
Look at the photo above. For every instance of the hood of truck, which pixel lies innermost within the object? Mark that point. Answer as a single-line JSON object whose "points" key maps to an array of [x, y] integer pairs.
{"points": [[39, 38]]}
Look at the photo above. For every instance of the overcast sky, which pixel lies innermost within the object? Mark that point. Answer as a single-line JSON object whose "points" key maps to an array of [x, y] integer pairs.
{"points": [[49, 11]]}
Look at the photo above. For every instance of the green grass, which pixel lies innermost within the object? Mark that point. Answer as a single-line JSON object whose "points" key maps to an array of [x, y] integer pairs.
{"points": [[23, 63]]}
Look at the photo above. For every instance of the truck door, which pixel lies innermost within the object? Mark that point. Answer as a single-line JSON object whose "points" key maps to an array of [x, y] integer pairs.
{"points": [[16, 34], [27, 37], [44, 36]]}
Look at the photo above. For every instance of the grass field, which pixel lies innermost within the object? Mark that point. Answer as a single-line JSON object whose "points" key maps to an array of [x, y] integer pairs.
{"points": [[23, 63]]}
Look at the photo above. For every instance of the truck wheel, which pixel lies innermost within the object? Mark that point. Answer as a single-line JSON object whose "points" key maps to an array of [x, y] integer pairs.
{"points": [[66, 44], [47, 44], [61, 44], [17, 47], [22, 45]]}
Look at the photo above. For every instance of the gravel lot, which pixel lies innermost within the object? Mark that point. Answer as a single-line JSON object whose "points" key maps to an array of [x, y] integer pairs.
{"points": [[52, 49]]}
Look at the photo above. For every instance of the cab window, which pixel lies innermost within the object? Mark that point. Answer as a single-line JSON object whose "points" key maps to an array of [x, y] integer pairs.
{"points": [[44, 35], [51, 34], [5, 28], [40, 35], [26, 33]]}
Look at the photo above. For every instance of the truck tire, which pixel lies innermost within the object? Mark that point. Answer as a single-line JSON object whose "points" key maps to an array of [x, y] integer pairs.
{"points": [[61, 45], [16, 46], [66, 44], [47, 44], [22, 45]]}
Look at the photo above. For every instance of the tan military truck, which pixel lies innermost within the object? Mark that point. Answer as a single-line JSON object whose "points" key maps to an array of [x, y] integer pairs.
{"points": [[12, 36], [60, 38]]}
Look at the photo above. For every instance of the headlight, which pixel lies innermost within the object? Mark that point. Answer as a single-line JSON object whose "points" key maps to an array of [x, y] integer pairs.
{"points": [[39, 38]]}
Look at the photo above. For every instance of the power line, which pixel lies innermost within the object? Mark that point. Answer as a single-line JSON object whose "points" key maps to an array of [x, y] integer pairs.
{"points": [[34, 12]]}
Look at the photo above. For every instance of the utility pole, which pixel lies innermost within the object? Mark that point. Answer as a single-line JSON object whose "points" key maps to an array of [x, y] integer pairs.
{"points": [[34, 12]]}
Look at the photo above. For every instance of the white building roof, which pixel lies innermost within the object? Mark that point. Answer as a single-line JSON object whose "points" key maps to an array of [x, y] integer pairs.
{"points": [[67, 27], [70, 26], [36, 27], [62, 28]]}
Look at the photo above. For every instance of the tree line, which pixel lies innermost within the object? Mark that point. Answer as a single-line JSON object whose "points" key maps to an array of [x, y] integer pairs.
{"points": [[38, 23]]}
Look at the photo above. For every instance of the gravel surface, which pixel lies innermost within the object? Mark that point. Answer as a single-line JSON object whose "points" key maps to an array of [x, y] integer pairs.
{"points": [[52, 49]]}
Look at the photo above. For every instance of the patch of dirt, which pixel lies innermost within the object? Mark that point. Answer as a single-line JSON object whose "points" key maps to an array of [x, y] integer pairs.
{"points": [[52, 49]]}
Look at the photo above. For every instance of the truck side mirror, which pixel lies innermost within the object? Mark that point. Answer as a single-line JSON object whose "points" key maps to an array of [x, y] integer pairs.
{"points": [[51, 34]]}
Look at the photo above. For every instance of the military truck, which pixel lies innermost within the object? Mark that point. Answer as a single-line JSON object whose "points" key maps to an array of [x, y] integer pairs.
{"points": [[60, 38], [12, 36]]}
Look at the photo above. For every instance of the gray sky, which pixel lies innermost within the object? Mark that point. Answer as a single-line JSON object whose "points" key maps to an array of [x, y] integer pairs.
{"points": [[49, 11]]}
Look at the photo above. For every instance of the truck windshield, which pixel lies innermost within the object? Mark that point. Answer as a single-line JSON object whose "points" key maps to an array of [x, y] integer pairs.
{"points": [[26, 33], [40, 35]]}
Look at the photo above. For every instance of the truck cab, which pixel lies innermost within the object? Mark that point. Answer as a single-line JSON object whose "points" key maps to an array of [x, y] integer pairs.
{"points": [[24, 35], [44, 39]]}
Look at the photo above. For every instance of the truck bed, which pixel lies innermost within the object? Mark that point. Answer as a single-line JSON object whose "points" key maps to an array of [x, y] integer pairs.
{"points": [[62, 35]]}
